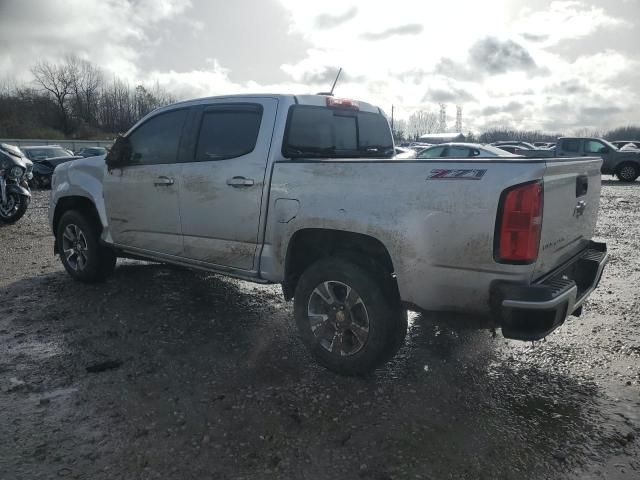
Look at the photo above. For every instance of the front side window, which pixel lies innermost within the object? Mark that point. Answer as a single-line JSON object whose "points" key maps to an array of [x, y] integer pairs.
{"points": [[228, 131], [156, 141], [571, 145], [593, 146], [328, 132]]}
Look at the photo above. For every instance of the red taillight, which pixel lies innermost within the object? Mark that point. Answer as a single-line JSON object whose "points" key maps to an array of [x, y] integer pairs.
{"points": [[520, 223], [345, 103]]}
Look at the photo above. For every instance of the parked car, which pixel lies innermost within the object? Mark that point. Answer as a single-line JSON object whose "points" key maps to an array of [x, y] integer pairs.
{"points": [[302, 191], [36, 153], [91, 151], [629, 146], [462, 150], [45, 159], [511, 148], [527, 152], [544, 145], [621, 143], [514, 142], [402, 152], [624, 164]]}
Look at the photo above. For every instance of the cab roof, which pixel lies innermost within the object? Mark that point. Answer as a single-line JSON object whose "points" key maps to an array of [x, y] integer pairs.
{"points": [[314, 100]]}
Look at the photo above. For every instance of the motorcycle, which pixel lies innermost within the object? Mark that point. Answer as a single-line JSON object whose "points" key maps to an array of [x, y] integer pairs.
{"points": [[15, 195]]}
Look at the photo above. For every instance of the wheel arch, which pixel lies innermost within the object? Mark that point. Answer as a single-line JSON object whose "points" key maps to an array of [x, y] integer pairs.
{"points": [[309, 245], [74, 202]]}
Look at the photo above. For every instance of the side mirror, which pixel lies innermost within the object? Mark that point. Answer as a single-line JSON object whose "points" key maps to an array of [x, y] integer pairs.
{"points": [[119, 154], [604, 150]]}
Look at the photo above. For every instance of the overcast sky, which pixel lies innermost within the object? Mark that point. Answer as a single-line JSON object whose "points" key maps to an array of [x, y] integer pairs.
{"points": [[553, 66]]}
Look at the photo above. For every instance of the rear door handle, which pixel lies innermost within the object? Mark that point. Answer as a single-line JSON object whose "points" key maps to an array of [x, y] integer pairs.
{"points": [[238, 182], [163, 181]]}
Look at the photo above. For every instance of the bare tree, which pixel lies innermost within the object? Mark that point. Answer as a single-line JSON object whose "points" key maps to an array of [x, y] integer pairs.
{"points": [[57, 81], [399, 130], [86, 82], [421, 123], [587, 132]]}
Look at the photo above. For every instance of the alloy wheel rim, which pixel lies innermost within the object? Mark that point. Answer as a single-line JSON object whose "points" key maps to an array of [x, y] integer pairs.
{"points": [[74, 247], [627, 172], [338, 318]]}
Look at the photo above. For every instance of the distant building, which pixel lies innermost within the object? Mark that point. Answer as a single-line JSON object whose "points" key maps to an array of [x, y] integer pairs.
{"points": [[442, 138]]}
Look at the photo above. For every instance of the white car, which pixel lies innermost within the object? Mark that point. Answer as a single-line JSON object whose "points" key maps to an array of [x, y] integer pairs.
{"points": [[463, 150]]}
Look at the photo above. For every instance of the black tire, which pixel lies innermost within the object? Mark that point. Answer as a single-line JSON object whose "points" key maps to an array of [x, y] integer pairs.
{"points": [[628, 172], [20, 205], [385, 318], [90, 261], [41, 182]]}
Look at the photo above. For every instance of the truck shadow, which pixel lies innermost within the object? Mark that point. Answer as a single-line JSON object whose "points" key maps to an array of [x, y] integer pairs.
{"points": [[618, 183], [207, 356]]}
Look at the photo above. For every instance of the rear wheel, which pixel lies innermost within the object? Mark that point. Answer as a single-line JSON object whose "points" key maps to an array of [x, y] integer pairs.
{"points": [[80, 251], [628, 172], [346, 316]]}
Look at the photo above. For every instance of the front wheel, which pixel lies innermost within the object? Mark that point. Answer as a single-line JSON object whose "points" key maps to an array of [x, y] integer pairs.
{"points": [[14, 208], [347, 318], [82, 255], [628, 172]]}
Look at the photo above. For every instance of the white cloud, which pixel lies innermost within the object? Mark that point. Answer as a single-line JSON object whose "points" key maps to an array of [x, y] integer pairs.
{"points": [[564, 20], [411, 54]]}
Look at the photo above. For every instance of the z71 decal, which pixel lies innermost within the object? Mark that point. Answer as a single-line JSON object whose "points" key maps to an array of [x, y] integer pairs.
{"points": [[453, 174]]}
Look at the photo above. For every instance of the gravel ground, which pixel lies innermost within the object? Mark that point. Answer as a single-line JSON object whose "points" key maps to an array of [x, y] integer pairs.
{"points": [[171, 374]]}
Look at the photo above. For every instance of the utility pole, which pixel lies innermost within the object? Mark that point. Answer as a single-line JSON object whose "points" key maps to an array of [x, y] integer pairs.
{"points": [[459, 118], [392, 130]]}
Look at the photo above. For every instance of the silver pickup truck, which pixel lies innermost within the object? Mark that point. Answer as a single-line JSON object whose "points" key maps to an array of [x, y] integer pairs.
{"points": [[303, 191]]}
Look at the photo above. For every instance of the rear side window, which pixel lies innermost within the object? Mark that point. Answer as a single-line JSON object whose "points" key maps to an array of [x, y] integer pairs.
{"points": [[156, 140], [459, 152], [228, 131], [325, 132], [432, 152], [571, 145]]}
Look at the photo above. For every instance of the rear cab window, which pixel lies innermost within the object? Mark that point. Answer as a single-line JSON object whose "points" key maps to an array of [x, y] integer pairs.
{"points": [[316, 131], [570, 145]]}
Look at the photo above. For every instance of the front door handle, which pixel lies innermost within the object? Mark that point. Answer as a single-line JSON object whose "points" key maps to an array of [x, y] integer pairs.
{"points": [[163, 181], [238, 182]]}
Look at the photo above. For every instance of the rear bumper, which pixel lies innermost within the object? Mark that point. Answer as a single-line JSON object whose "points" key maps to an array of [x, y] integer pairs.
{"points": [[531, 312]]}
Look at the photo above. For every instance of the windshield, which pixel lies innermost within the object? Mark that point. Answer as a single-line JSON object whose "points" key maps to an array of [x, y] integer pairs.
{"points": [[44, 153], [324, 132], [609, 144]]}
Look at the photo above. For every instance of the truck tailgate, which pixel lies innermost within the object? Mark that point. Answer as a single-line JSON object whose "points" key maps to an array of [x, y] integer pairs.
{"points": [[571, 202]]}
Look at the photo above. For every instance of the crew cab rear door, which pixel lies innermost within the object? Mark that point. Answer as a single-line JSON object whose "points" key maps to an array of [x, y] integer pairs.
{"points": [[223, 179], [571, 202]]}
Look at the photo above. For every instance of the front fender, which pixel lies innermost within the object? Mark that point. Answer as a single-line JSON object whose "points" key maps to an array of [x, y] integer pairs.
{"points": [[20, 190], [610, 165]]}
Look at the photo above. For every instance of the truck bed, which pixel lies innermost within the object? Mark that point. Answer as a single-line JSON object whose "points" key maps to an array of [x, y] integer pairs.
{"points": [[436, 218]]}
